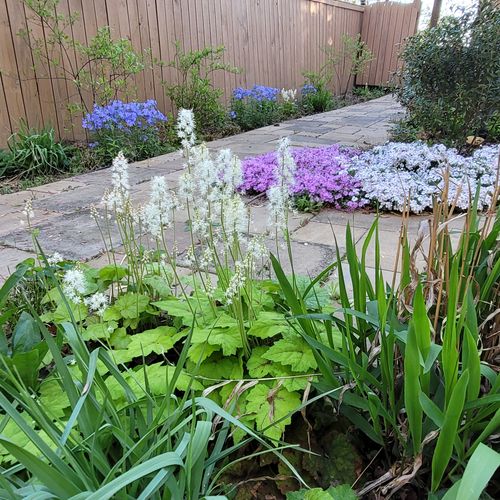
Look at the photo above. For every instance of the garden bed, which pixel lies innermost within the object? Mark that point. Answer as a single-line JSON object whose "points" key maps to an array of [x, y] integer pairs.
{"points": [[210, 372]]}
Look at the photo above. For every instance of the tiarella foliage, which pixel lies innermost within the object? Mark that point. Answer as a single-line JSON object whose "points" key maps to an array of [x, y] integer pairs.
{"points": [[396, 173], [322, 174]]}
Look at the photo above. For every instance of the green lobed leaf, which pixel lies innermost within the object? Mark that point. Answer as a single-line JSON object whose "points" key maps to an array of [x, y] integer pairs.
{"points": [[292, 351], [268, 406]]}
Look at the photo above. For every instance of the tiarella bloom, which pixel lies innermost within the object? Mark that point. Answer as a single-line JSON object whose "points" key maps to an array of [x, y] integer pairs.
{"points": [[186, 128], [279, 194], [289, 95], [158, 213], [230, 174], [74, 284], [234, 216], [28, 213], [98, 302], [236, 283], [117, 197], [55, 258]]}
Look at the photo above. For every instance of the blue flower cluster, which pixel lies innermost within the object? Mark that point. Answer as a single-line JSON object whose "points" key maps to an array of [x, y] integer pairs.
{"points": [[258, 93], [308, 88], [123, 115]]}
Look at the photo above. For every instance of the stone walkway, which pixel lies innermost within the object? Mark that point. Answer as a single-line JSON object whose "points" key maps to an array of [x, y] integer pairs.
{"points": [[62, 209]]}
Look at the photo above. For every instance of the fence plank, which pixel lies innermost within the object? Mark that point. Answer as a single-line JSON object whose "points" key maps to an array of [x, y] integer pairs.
{"points": [[385, 27]]}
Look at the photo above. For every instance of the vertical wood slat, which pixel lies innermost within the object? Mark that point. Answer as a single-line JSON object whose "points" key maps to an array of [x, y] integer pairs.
{"points": [[273, 41], [385, 27]]}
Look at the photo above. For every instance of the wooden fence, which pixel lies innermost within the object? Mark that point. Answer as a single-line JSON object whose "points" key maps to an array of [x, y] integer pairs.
{"points": [[274, 41], [385, 27]]}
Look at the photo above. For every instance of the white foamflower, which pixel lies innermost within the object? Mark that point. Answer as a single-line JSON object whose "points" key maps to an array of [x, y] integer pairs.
{"points": [[186, 128], [74, 284], [236, 283], [98, 302], [55, 258], [117, 198], [234, 216], [230, 171], [28, 209], [279, 195], [289, 95], [158, 213]]}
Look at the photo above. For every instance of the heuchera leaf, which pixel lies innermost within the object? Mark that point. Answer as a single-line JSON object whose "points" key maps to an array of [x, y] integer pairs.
{"points": [[266, 405], [158, 375], [294, 352], [198, 353], [158, 284], [97, 331], [112, 272], [183, 309]]}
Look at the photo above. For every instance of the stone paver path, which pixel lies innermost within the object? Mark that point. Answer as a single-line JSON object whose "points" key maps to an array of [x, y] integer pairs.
{"points": [[62, 209]]}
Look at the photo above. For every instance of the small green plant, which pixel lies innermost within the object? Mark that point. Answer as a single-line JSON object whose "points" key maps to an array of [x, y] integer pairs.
{"points": [[196, 89], [449, 80], [351, 59], [303, 203], [315, 96], [367, 93], [33, 153], [355, 56]]}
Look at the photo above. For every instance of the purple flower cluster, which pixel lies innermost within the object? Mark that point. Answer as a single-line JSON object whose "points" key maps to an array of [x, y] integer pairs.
{"points": [[308, 88], [322, 173], [123, 115], [258, 93]]}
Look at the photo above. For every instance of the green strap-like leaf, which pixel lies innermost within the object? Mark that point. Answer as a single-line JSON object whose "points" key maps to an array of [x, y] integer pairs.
{"points": [[444, 446], [49, 476]]}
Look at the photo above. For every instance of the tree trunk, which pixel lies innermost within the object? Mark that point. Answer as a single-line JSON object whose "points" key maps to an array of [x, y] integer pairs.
{"points": [[436, 10]]}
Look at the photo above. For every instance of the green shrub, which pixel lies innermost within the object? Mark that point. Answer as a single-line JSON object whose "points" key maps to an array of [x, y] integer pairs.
{"points": [[33, 153], [196, 89], [451, 74]]}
